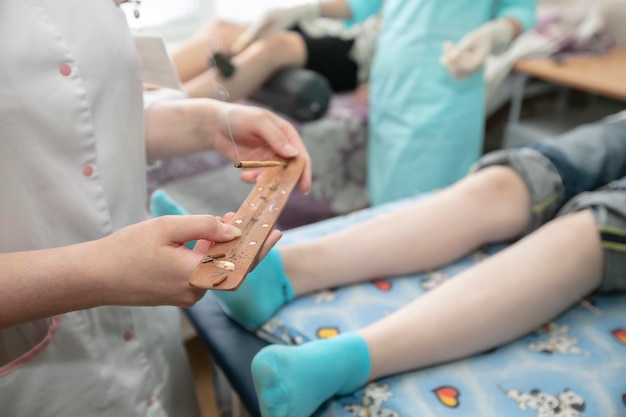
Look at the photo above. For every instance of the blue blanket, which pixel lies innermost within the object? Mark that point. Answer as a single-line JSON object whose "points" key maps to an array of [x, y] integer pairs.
{"points": [[574, 366]]}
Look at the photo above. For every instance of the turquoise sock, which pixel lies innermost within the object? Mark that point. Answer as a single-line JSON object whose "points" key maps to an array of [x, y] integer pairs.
{"points": [[161, 204], [293, 381], [264, 290], [261, 294]]}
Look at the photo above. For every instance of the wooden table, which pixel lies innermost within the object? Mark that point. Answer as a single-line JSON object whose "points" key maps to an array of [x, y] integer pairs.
{"points": [[600, 75], [604, 75]]}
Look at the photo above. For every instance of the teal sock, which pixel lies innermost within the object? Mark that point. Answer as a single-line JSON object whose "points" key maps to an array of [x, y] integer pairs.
{"points": [[261, 294], [293, 381], [161, 204]]}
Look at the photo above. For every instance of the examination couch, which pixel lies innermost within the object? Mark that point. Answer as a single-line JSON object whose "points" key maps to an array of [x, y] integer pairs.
{"points": [[231, 348], [573, 366]]}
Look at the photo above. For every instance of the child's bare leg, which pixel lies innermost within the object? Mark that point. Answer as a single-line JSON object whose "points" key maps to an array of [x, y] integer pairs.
{"points": [[492, 303], [254, 66], [488, 206], [191, 58], [499, 299]]}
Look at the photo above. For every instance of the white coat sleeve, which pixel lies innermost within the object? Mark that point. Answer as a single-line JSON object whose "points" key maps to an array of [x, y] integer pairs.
{"points": [[152, 96]]}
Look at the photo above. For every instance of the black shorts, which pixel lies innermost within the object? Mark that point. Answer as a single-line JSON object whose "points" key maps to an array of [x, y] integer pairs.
{"points": [[329, 56]]}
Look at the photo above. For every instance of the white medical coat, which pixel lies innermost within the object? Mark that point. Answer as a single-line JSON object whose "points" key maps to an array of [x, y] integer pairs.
{"points": [[72, 169]]}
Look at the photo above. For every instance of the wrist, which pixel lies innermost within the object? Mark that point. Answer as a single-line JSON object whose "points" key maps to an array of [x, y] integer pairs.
{"points": [[503, 32], [208, 116], [181, 127], [99, 278], [44, 283]]}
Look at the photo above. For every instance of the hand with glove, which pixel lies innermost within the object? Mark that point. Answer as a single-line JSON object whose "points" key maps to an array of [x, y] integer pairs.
{"points": [[466, 57], [276, 20]]}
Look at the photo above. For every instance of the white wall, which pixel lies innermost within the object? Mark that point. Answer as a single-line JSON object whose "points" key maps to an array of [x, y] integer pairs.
{"points": [[176, 19]]}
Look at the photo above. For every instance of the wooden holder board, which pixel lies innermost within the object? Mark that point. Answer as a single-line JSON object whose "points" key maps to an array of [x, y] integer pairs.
{"points": [[226, 264]]}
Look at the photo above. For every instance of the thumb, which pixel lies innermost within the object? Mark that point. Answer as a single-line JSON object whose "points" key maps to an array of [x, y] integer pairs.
{"points": [[468, 43], [450, 54], [182, 229], [447, 50]]}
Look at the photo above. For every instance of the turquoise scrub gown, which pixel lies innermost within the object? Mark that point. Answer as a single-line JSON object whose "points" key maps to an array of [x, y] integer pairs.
{"points": [[426, 128]]}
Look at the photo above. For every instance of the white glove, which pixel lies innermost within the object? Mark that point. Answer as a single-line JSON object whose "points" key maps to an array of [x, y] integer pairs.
{"points": [[465, 58], [276, 20]]}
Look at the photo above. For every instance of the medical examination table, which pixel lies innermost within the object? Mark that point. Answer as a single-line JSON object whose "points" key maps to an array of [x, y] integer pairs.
{"points": [[573, 366]]}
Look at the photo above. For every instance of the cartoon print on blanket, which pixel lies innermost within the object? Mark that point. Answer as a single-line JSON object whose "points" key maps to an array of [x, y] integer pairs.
{"points": [[434, 279], [374, 395], [620, 335], [566, 403], [448, 396], [558, 341]]}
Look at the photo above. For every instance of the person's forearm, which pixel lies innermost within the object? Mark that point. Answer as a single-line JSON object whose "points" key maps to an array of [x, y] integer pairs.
{"points": [[335, 9], [43, 283], [178, 127]]}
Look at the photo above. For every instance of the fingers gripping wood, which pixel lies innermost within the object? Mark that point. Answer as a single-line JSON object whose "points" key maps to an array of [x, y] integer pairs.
{"points": [[226, 264]]}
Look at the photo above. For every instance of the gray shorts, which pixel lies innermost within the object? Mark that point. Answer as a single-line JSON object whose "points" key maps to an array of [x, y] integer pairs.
{"points": [[584, 169], [608, 207]]}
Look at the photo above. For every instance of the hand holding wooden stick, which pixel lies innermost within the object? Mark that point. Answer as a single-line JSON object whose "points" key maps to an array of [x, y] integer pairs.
{"points": [[226, 264]]}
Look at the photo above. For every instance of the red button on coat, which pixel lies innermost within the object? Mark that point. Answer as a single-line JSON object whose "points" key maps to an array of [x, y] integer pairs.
{"points": [[128, 334], [65, 69], [150, 401], [87, 170]]}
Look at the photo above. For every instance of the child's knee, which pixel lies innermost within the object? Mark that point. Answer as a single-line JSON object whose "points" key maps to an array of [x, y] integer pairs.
{"points": [[607, 206], [541, 180], [496, 180]]}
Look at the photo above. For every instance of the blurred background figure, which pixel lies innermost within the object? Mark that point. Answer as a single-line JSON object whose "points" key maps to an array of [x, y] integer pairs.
{"points": [[341, 55], [426, 118]]}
